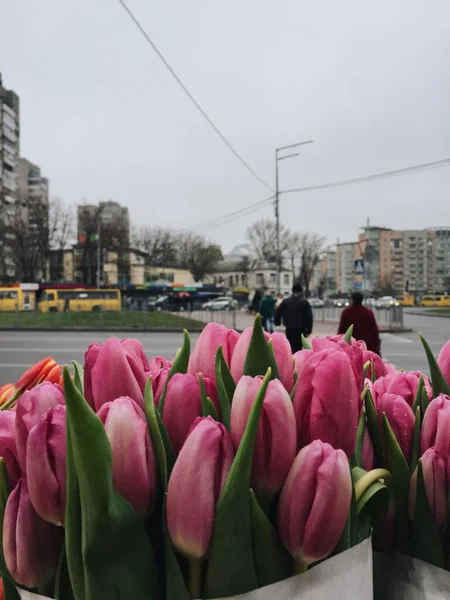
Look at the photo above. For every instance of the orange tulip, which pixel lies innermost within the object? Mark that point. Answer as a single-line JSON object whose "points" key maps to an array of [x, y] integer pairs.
{"points": [[7, 391], [45, 370]]}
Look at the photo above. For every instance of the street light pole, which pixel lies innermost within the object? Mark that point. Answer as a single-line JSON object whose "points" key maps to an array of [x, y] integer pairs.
{"points": [[98, 255], [277, 204]]}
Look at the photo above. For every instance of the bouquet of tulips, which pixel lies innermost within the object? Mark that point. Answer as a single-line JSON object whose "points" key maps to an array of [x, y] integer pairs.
{"points": [[231, 468]]}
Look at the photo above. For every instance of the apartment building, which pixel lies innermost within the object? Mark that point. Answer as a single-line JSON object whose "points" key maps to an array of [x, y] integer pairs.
{"points": [[391, 260], [9, 156], [345, 267], [109, 217], [438, 259]]}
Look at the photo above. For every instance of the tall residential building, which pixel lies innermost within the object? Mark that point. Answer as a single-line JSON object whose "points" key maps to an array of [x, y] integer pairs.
{"points": [[345, 266], [438, 259], [415, 254], [370, 243], [9, 155], [391, 260], [33, 192], [114, 221]]}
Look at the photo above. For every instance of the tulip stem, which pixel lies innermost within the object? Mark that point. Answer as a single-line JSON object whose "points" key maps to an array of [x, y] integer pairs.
{"points": [[195, 578], [368, 479], [300, 566]]}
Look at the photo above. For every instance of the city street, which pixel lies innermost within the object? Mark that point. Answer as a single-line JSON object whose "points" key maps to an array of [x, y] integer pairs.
{"points": [[18, 350]]}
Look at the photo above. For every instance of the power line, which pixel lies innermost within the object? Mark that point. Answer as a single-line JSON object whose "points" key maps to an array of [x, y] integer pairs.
{"points": [[228, 218], [383, 175], [191, 97]]}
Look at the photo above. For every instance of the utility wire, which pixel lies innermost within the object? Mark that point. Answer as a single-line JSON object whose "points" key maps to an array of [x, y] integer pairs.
{"points": [[383, 175], [191, 97], [235, 214]]}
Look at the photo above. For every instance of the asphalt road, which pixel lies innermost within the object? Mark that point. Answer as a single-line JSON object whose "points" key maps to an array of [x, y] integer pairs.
{"points": [[19, 350]]}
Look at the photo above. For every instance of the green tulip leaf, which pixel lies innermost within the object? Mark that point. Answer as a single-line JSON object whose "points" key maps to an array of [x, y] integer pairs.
{"points": [[399, 483], [425, 542], [208, 408], [415, 453], [108, 552], [418, 397], [260, 356], [306, 343], [63, 587], [227, 377], [350, 534], [358, 454], [78, 375], [374, 498], [180, 365], [373, 426], [11, 592], [231, 568], [364, 525], [366, 369], [222, 390], [348, 335], [273, 563], [440, 385], [294, 387], [175, 586], [425, 400]]}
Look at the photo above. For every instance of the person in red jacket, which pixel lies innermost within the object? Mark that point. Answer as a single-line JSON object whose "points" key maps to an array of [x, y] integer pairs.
{"points": [[364, 324]]}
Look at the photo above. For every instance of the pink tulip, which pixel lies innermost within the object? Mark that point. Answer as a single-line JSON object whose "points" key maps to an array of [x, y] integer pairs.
{"points": [[403, 384], [354, 351], [436, 426], [31, 546], [195, 485], [113, 369], [276, 439], [444, 361], [401, 419], [435, 479], [300, 360], [326, 401], [203, 358], [30, 408], [8, 448], [378, 364], [134, 467], [284, 359], [315, 502], [282, 352], [390, 369], [183, 405], [46, 465], [159, 369]]}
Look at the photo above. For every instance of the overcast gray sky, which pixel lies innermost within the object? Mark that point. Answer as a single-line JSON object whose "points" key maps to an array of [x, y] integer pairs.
{"points": [[369, 82]]}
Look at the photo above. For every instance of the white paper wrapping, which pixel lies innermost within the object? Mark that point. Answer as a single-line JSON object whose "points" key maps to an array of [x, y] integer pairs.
{"points": [[348, 575], [400, 577]]}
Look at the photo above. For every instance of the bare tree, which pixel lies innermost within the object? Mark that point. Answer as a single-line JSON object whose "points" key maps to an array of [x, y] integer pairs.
{"points": [[158, 243], [197, 255], [261, 238], [310, 246], [30, 228], [61, 233]]}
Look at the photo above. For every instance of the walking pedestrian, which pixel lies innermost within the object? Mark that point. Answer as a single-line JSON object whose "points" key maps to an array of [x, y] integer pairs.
{"points": [[296, 314], [364, 323], [267, 311]]}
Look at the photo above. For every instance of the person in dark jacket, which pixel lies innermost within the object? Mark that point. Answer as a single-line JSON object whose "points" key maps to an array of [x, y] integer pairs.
{"points": [[364, 323], [296, 314], [267, 311]]}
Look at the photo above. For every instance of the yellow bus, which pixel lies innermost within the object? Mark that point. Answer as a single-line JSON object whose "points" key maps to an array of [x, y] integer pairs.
{"points": [[80, 300], [15, 298], [438, 300], [406, 299]]}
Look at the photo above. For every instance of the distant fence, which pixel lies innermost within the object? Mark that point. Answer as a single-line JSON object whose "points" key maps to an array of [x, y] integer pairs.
{"points": [[388, 318]]}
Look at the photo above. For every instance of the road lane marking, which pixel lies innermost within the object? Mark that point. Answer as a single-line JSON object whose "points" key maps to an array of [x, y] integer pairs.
{"points": [[393, 337]]}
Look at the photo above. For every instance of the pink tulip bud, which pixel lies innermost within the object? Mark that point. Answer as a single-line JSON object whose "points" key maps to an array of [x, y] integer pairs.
{"points": [[240, 353], [203, 358], [183, 405], [113, 369], [315, 502], [159, 369], [30, 408], [276, 438], [46, 465], [284, 359], [326, 401], [404, 385], [401, 419], [435, 479], [195, 485], [134, 468], [378, 364], [31, 546], [354, 351], [300, 360], [8, 448], [436, 426], [444, 361]]}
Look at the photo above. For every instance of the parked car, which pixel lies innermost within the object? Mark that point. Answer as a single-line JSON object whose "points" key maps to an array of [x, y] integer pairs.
{"points": [[161, 303], [386, 302], [221, 303], [316, 302], [340, 302]]}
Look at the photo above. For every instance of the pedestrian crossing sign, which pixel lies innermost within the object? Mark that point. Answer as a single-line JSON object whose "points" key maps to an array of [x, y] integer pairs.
{"points": [[359, 266]]}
